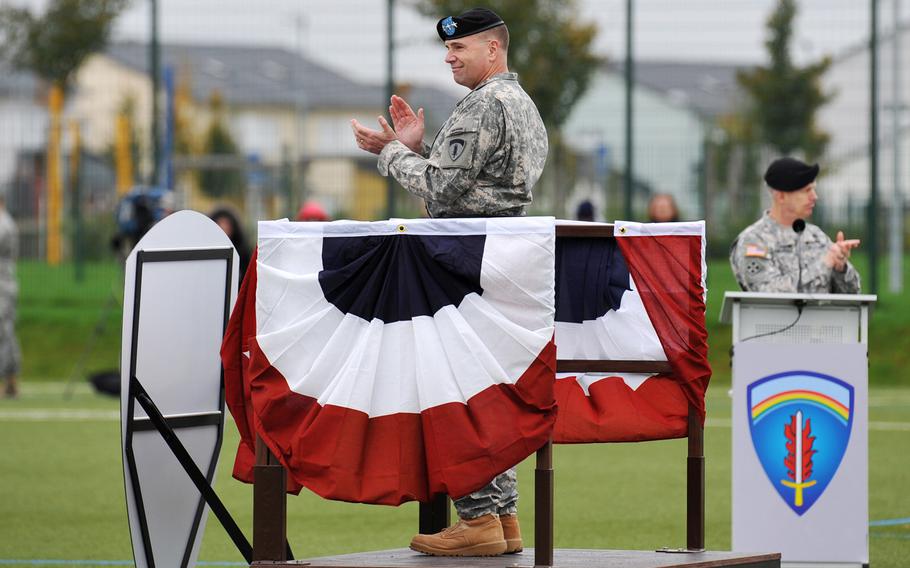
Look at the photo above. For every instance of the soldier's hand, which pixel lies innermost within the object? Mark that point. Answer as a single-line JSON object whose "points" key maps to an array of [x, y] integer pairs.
{"points": [[839, 252], [373, 140], [408, 125]]}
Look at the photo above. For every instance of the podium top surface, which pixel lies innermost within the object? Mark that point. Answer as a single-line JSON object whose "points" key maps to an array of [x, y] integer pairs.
{"points": [[772, 298]]}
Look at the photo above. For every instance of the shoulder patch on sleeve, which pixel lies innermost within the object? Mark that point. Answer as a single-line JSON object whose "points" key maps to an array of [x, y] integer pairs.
{"points": [[458, 146], [754, 267], [756, 251]]}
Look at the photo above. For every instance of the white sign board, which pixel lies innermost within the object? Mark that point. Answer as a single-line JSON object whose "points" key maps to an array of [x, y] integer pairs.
{"points": [[181, 283], [800, 452]]}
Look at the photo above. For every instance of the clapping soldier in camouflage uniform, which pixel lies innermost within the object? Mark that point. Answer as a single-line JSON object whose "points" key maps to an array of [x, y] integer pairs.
{"points": [[483, 163], [781, 252]]}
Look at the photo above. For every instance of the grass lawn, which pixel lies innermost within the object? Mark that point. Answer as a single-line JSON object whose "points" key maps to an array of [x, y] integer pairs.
{"points": [[61, 489], [889, 326], [68, 327], [65, 325], [61, 486]]}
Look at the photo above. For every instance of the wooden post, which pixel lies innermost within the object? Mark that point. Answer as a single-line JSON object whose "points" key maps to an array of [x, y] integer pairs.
{"points": [[543, 507], [434, 516], [123, 157], [269, 506], [54, 176], [695, 484]]}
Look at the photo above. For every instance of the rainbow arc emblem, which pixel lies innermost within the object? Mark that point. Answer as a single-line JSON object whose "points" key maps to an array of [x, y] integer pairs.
{"points": [[800, 424]]}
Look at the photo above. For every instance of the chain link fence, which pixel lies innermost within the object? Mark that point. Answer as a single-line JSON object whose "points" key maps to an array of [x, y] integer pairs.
{"points": [[265, 129]]}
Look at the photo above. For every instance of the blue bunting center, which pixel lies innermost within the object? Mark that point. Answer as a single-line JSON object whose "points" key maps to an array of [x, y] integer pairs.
{"points": [[399, 277], [591, 278]]}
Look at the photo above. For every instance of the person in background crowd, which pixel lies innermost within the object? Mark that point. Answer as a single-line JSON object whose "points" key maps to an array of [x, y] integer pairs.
{"points": [[136, 213], [10, 354], [585, 211], [230, 224], [312, 211], [662, 209], [781, 252]]}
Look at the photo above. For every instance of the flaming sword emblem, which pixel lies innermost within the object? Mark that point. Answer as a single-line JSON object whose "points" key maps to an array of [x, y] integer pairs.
{"points": [[799, 456]]}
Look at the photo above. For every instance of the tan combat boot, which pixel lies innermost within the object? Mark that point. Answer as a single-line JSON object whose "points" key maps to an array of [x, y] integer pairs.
{"points": [[468, 537], [511, 532]]}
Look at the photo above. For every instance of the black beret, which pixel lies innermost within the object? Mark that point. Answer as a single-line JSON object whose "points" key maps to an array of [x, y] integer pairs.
{"points": [[473, 21], [790, 174]]}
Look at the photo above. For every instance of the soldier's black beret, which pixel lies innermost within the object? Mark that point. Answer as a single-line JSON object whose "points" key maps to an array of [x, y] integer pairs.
{"points": [[473, 21], [790, 174]]}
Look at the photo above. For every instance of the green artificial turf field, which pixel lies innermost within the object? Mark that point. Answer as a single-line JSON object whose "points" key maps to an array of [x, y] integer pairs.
{"points": [[61, 489], [61, 486]]}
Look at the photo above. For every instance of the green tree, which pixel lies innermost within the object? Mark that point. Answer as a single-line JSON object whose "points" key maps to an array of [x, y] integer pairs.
{"points": [[785, 97], [185, 138], [550, 49], [225, 179], [55, 44], [53, 47], [127, 108]]}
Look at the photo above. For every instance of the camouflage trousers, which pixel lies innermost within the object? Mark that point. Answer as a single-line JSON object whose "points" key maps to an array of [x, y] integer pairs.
{"points": [[499, 496], [10, 354]]}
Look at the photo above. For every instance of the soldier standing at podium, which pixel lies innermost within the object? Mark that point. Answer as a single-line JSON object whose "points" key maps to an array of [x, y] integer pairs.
{"points": [[781, 252]]}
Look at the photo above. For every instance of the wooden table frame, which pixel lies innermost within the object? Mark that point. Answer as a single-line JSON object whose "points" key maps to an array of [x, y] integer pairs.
{"points": [[270, 505]]}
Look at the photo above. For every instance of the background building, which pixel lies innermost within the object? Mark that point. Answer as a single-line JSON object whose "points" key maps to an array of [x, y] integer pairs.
{"points": [[281, 109], [676, 105], [847, 119]]}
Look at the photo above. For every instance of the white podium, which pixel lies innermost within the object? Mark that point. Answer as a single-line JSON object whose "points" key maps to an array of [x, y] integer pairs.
{"points": [[800, 426]]}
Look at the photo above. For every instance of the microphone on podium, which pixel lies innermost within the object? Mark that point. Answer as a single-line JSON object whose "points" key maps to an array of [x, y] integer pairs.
{"points": [[799, 226]]}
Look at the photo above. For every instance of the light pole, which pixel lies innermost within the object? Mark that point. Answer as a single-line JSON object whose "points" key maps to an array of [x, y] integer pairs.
{"points": [[872, 208], [299, 194], [389, 91], [154, 65], [630, 91], [896, 238]]}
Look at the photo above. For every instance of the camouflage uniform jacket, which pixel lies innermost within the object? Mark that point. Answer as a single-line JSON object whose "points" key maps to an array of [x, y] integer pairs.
{"points": [[10, 353], [9, 249], [485, 159], [765, 258]]}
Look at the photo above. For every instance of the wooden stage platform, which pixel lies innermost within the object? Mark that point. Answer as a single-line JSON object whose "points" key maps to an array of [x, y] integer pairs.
{"points": [[563, 558]]}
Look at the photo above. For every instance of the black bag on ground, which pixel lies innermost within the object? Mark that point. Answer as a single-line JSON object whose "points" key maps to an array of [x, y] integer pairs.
{"points": [[106, 382]]}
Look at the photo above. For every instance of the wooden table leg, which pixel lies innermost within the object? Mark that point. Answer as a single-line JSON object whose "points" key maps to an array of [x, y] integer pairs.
{"points": [[695, 484], [435, 515], [543, 507], [269, 506]]}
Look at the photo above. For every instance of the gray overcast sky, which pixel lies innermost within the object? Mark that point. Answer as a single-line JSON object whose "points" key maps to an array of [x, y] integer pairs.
{"points": [[349, 35]]}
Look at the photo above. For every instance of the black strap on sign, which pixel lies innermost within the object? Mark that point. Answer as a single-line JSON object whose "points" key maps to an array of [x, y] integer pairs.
{"points": [[192, 470]]}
